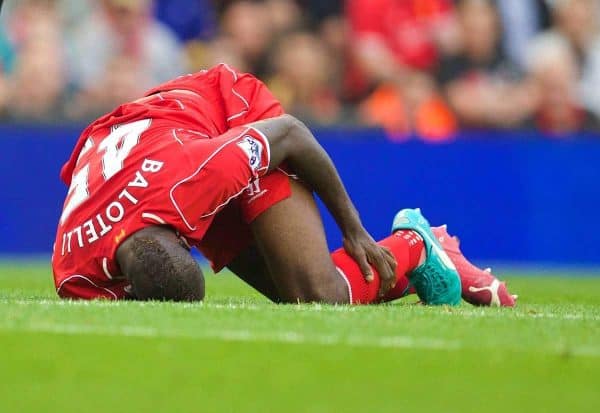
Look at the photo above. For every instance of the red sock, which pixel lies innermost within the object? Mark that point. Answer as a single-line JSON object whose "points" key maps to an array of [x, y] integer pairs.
{"points": [[406, 246]]}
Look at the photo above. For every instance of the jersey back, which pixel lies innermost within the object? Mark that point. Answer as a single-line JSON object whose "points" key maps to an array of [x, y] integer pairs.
{"points": [[130, 167]]}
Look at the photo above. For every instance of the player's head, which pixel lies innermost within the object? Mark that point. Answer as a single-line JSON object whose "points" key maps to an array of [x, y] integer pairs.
{"points": [[160, 267]]}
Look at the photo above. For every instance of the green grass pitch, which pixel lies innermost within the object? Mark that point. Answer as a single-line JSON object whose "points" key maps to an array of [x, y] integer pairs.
{"points": [[238, 353]]}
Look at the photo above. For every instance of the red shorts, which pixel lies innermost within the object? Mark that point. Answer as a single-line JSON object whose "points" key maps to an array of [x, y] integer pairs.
{"points": [[230, 234]]}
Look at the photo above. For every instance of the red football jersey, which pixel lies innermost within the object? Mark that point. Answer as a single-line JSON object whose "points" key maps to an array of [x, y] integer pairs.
{"points": [[175, 157]]}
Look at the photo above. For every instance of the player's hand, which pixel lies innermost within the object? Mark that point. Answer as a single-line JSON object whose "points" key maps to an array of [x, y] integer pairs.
{"points": [[368, 254]]}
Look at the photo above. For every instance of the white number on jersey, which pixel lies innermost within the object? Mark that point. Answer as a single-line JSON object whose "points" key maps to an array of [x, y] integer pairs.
{"points": [[116, 146], [78, 191]]}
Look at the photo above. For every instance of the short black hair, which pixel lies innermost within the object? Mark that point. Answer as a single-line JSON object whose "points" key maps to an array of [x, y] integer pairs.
{"points": [[160, 268]]}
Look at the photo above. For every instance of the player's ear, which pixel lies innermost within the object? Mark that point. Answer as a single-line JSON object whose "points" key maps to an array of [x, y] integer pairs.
{"points": [[159, 267]]}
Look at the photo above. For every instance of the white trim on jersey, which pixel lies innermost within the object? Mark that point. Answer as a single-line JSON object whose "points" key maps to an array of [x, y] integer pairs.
{"points": [[179, 103], [176, 137], [195, 132], [233, 72], [153, 217], [105, 268], [343, 274], [214, 211], [235, 78], [293, 176], [88, 280], [185, 221], [237, 115]]}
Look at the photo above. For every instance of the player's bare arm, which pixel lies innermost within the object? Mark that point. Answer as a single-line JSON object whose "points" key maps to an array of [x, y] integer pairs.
{"points": [[291, 141]]}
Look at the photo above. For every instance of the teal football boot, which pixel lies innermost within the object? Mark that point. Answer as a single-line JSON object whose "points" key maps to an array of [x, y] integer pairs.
{"points": [[436, 280]]}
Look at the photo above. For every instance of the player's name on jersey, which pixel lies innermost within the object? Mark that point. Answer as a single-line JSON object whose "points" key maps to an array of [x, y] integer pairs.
{"points": [[101, 224]]}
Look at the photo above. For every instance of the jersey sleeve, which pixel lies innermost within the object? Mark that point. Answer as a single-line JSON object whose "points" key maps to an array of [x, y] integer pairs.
{"points": [[246, 99]]}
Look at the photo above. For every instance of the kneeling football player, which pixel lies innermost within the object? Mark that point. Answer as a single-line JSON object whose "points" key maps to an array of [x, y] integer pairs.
{"points": [[210, 160]]}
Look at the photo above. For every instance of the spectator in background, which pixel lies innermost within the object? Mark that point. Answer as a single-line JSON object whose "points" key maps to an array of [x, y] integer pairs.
{"points": [[222, 49], [392, 38], [283, 16], [375, 63], [320, 10], [7, 58], [243, 43], [247, 26], [7, 53], [483, 88], [36, 87], [521, 21], [305, 67], [589, 87], [553, 68], [394, 45], [414, 109], [576, 22], [114, 30], [122, 80], [304, 78], [333, 31]]}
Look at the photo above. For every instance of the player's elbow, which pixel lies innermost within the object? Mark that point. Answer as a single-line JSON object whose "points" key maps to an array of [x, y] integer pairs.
{"points": [[296, 138], [294, 121], [287, 136], [296, 126], [291, 129]]}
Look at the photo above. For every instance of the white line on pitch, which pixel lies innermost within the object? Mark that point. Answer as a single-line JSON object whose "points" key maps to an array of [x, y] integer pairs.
{"points": [[284, 337], [289, 337]]}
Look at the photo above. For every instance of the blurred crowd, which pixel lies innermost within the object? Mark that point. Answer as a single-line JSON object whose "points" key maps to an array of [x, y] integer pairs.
{"points": [[422, 68]]}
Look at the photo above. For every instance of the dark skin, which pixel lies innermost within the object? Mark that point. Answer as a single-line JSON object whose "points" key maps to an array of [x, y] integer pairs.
{"points": [[290, 238], [296, 217], [294, 259]]}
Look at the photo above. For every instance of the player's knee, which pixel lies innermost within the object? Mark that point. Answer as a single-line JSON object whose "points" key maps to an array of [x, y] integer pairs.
{"points": [[159, 268], [315, 286]]}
